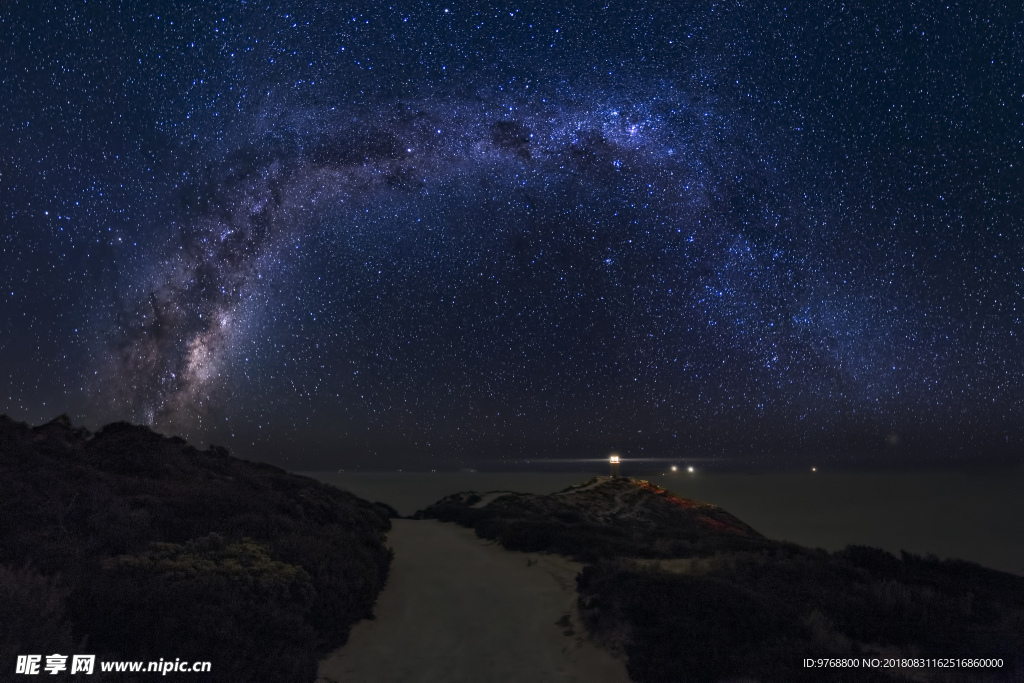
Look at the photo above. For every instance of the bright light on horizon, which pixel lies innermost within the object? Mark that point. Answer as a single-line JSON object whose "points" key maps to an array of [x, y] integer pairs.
{"points": [[690, 469], [614, 459]]}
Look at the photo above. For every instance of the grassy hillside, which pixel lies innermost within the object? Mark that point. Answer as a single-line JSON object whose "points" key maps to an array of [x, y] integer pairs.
{"points": [[130, 545]]}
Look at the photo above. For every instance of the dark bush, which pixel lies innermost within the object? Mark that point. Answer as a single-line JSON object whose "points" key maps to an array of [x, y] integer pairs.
{"points": [[32, 614], [757, 616], [204, 599]]}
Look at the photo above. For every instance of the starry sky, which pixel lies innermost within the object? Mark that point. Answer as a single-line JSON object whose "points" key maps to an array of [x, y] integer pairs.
{"points": [[443, 234]]}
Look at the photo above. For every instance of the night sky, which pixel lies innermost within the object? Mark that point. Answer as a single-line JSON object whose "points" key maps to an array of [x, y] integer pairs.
{"points": [[449, 235]]}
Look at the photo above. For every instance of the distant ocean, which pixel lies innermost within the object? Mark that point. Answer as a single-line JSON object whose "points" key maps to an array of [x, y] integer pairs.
{"points": [[972, 516]]}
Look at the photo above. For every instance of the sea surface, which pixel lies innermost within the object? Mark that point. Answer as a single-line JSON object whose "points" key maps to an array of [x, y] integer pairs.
{"points": [[976, 516]]}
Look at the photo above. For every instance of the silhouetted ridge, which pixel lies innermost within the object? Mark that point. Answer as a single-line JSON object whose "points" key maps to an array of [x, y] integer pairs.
{"points": [[147, 547]]}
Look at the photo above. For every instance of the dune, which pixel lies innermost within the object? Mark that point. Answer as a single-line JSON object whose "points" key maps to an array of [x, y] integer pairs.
{"points": [[459, 608]]}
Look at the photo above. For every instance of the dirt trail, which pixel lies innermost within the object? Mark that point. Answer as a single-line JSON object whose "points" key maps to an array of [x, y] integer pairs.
{"points": [[457, 608]]}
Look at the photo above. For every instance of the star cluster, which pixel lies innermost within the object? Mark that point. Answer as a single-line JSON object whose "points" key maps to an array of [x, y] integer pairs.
{"points": [[435, 234]]}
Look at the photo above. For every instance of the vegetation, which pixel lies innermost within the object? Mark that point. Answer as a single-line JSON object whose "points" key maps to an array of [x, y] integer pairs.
{"points": [[758, 615], [130, 545], [692, 600], [601, 519]]}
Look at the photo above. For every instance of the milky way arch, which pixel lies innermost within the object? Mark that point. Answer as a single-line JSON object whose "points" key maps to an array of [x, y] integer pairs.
{"points": [[178, 326], [702, 195]]}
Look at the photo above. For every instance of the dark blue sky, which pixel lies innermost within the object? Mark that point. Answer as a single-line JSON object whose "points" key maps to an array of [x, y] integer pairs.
{"points": [[439, 234]]}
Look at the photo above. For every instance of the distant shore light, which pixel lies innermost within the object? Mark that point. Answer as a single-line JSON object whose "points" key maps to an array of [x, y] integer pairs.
{"points": [[690, 469], [674, 468], [614, 460]]}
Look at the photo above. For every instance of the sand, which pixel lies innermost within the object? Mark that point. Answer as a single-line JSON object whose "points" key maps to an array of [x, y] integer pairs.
{"points": [[457, 608]]}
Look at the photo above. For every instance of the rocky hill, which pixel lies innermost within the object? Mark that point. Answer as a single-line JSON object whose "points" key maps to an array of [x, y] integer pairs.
{"points": [[688, 592], [131, 545], [604, 517]]}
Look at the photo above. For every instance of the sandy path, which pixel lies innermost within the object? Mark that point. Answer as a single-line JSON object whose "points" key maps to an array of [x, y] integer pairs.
{"points": [[457, 608]]}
